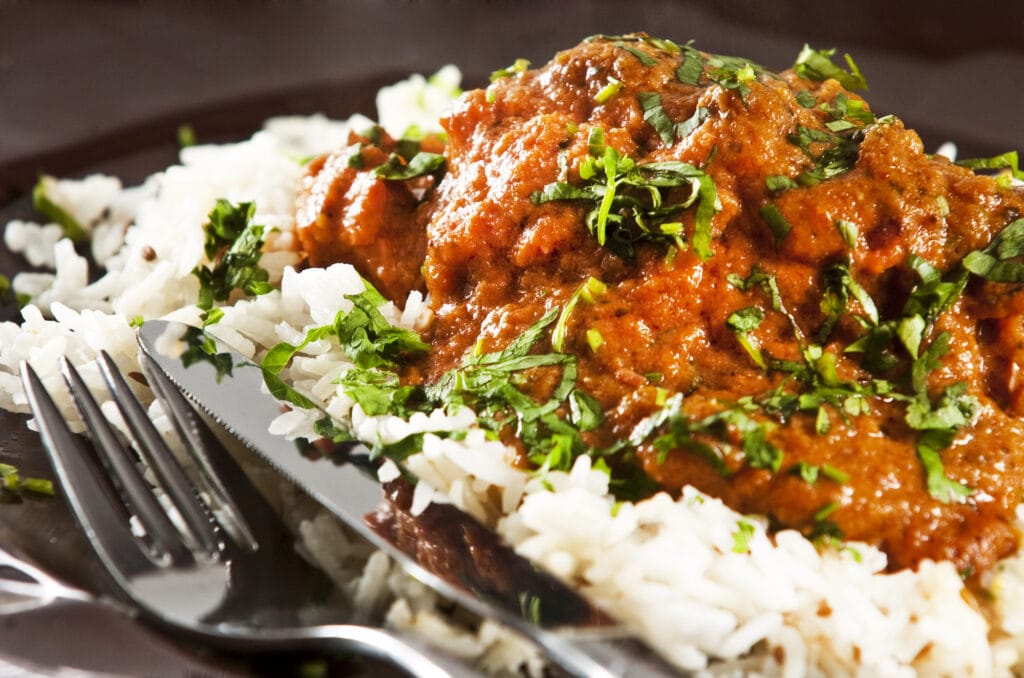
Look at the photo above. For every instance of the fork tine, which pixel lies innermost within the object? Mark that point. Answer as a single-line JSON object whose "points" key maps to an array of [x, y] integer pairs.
{"points": [[218, 468], [169, 474], [162, 532], [82, 485]]}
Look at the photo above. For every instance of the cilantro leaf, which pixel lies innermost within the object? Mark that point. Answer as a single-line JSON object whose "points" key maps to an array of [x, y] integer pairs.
{"points": [[518, 66], [777, 183], [365, 336], [741, 537], [687, 127], [691, 67], [838, 156], [743, 322], [813, 64], [368, 338], [1008, 160], [628, 199], [11, 480], [488, 383], [588, 291], [42, 204], [201, 348], [395, 168], [234, 247], [776, 221], [645, 59], [682, 433], [994, 262], [939, 485], [654, 114], [378, 392], [613, 87], [848, 230]]}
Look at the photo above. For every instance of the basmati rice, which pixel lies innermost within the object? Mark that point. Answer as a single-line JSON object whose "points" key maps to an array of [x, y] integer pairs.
{"points": [[670, 569]]}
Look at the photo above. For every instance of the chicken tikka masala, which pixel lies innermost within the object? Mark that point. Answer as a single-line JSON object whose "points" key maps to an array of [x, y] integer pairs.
{"points": [[702, 272]]}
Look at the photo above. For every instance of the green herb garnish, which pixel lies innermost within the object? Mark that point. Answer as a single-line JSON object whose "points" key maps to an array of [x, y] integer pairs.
{"points": [[186, 136], [994, 262], [11, 480], [42, 204], [742, 536], [1008, 160], [233, 245], [682, 433], [815, 64], [628, 199], [396, 168], [608, 91], [743, 322], [776, 221], [518, 66], [369, 341], [588, 292]]}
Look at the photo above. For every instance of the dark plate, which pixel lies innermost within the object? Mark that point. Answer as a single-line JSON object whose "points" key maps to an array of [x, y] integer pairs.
{"points": [[104, 85]]}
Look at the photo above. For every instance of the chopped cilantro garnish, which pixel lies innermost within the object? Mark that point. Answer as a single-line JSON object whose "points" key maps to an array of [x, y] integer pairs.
{"points": [[518, 66], [42, 203], [655, 115], [776, 221], [840, 287], [691, 67], [186, 136], [994, 262], [742, 536], [396, 168], [645, 59], [777, 183], [588, 292], [682, 433], [670, 132], [815, 64], [11, 480], [608, 91], [825, 511], [732, 73], [369, 341], [233, 246], [809, 473], [628, 199], [848, 230], [1008, 160], [837, 156], [202, 348], [743, 322], [688, 126], [378, 391], [806, 99]]}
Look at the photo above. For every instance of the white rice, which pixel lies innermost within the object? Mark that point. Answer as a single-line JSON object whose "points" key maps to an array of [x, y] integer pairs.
{"points": [[665, 567]]}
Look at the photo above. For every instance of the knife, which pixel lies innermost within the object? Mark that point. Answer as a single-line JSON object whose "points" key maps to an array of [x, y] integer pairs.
{"points": [[476, 569]]}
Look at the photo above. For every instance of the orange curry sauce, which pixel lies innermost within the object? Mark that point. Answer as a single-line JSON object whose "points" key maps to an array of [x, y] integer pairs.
{"points": [[493, 261]]}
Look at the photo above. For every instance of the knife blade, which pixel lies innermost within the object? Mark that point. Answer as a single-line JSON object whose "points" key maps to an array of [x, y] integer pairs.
{"points": [[477, 570]]}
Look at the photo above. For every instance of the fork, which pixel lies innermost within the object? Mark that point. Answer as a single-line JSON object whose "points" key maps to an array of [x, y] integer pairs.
{"points": [[227, 576]]}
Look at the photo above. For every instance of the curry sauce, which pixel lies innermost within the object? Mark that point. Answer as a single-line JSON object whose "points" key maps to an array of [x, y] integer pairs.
{"points": [[779, 313]]}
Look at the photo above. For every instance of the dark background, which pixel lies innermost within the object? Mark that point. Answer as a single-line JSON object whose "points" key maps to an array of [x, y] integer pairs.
{"points": [[82, 81]]}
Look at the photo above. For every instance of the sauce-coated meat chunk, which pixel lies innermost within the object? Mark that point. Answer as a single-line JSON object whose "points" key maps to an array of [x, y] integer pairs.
{"points": [[347, 213], [767, 291]]}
